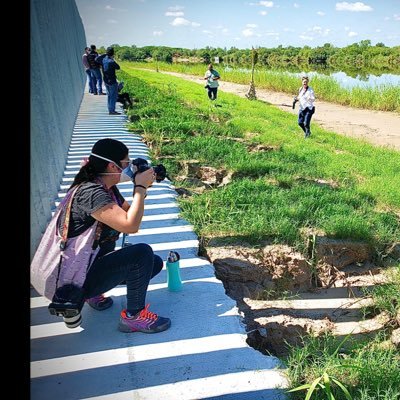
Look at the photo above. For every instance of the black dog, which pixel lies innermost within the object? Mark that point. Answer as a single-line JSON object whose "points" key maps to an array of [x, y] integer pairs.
{"points": [[125, 100]]}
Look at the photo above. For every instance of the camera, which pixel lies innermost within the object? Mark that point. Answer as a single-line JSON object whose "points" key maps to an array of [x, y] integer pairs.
{"points": [[294, 101], [141, 165], [67, 302]]}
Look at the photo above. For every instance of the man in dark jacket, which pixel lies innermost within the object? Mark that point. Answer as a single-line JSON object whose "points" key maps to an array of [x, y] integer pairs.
{"points": [[95, 70], [110, 79]]}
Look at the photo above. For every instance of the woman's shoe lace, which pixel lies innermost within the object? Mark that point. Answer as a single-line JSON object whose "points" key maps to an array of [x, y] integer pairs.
{"points": [[145, 313]]}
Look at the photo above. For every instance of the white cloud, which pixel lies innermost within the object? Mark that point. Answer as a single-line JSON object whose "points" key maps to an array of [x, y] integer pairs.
{"points": [[109, 8], [207, 32], [320, 13], [288, 29], [112, 21], [356, 7], [295, 5], [396, 17], [251, 25], [304, 37], [268, 4], [175, 8], [377, 30], [158, 33], [225, 30], [319, 31], [346, 28], [247, 32], [174, 14], [180, 22], [263, 13], [351, 34], [195, 24]]}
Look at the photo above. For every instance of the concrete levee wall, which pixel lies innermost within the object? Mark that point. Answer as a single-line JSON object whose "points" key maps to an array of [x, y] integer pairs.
{"points": [[57, 86]]}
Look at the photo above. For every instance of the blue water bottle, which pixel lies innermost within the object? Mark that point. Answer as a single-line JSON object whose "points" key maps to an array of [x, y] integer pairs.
{"points": [[173, 275]]}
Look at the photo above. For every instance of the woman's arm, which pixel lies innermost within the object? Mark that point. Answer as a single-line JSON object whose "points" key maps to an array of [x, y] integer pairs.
{"points": [[127, 218]]}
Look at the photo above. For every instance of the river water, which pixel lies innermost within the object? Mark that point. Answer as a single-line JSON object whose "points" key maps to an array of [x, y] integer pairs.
{"points": [[363, 79]]}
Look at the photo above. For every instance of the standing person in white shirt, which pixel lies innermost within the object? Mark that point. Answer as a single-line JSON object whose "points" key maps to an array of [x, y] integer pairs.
{"points": [[211, 76], [87, 68], [306, 98]]}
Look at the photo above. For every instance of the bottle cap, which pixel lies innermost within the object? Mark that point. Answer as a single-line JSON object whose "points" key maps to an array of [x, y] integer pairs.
{"points": [[173, 256]]}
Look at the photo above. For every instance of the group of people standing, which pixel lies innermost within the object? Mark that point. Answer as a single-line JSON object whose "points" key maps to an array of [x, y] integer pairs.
{"points": [[101, 68]]}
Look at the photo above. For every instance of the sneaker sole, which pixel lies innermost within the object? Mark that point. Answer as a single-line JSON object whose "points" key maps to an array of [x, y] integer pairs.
{"points": [[126, 329], [106, 305]]}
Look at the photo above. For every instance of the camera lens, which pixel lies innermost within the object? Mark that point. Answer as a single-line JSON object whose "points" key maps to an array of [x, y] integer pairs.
{"points": [[73, 322]]}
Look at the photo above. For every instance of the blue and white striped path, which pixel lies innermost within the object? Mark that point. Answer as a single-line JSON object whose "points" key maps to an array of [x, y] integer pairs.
{"points": [[203, 355]]}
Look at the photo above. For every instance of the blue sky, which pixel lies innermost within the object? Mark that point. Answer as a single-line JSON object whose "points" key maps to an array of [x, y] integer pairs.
{"points": [[196, 24]]}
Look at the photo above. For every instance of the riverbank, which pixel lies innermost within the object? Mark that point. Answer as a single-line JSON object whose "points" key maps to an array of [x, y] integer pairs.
{"points": [[380, 128]]}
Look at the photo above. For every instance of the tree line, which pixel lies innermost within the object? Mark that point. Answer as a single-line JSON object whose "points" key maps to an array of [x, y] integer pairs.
{"points": [[357, 55]]}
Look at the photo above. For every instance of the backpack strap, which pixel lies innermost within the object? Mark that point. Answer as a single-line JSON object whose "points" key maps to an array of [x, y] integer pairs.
{"points": [[64, 232]]}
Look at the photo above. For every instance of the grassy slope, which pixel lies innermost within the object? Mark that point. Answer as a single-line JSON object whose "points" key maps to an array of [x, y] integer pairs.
{"points": [[274, 194]]}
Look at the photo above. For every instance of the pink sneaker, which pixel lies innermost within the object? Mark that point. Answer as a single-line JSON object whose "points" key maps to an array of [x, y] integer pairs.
{"points": [[144, 321], [100, 302]]}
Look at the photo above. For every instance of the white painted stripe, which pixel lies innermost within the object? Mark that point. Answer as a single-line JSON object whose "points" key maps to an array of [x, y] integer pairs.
{"points": [[211, 386], [176, 229], [193, 262], [55, 329], [160, 217], [121, 290], [40, 301], [147, 352], [181, 244]]}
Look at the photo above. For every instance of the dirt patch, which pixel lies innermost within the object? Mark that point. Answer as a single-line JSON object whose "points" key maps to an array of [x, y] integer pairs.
{"points": [[380, 128], [284, 296]]}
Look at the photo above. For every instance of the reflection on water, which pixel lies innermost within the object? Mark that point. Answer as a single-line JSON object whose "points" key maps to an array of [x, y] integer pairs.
{"points": [[366, 80], [348, 79]]}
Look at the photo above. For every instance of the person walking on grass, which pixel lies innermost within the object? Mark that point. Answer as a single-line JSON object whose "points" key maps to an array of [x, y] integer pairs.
{"points": [[212, 77], [306, 98]]}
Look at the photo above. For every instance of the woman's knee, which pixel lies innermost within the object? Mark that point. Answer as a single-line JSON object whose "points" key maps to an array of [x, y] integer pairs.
{"points": [[141, 249], [157, 266]]}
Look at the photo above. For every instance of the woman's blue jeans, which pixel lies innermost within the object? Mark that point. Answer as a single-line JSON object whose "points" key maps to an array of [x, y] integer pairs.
{"points": [[135, 264], [304, 120]]}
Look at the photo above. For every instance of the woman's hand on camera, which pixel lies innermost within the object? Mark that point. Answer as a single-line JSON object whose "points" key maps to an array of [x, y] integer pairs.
{"points": [[145, 178]]}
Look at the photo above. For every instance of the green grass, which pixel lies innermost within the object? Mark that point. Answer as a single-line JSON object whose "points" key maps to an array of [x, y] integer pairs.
{"points": [[368, 370], [386, 297], [273, 194], [382, 97]]}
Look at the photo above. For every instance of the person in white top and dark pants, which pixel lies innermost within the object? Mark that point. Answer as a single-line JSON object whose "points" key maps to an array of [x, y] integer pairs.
{"points": [[306, 98]]}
